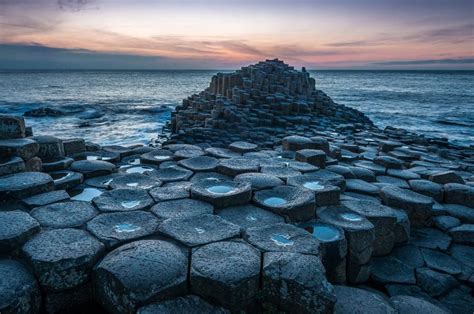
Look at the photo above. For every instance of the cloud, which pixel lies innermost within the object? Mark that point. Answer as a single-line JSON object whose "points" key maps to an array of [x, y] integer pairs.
{"points": [[464, 60], [74, 5]]}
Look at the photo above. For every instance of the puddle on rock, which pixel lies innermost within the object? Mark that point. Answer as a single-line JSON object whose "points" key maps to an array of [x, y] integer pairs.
{"points": [[138, 169], [93, 157], [251, 218], [132, 184], [200, 230], [130, 204], [313, 185], [60, 176], [322, 233], [86, 195], [107, 182], [161, 157], [282, 239], [351, 217], [274, 201], [220, 189], [126, 227]]}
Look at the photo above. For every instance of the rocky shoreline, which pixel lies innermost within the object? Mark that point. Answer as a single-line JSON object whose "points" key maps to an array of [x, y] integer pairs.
{"points": [[265, 196]]}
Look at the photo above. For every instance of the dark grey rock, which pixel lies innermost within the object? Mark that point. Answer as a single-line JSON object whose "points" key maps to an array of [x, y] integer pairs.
{"points": [[282, 238], [169, 193], [222, 194], [56, 164], [181, 208], [389, 180], [463, 254], [16, 228], [49, 146], [409, 255], [21, 147], [64, 214], [446, 222], [443, 177], [11, 166], [360, 186], [198, 230], [84, 193], [46, 198], [417, 206], [428, 188], [200, 163], [24, 184], [116, 228], [123, 200], [461, 194], [377, 169], [11, 126], [313, 157], [403, 174], [134, 181], [62, 258], [138, 273], [156, 157], [362, 174], [248, 216], [459, 300], [187, 304], [435, 283], [100, 155], [440, 261], [259, 181], [221, 152], [430, 238], [298, 204], [353, 300], [188, 153], [329, 177], [463, 213], [34, 165], [410, 305], [19, 292], [65, 180], [172, 174], [93, 168], [234, 166], [242, 147], [389, 162], [391, 270], [74, 146], [209, 176], [463, 234], [227, 272], [296, 283]]}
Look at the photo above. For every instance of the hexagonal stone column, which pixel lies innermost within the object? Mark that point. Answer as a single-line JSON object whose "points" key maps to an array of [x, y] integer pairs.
{"points": [[296, 203], [19, 291], [227, 272], [22, 147], [134, 181], [296, 283], [93, 168], [200, 163], [384, 220], [360, 236], [296, 142], [16, 228], [314, 157], [181, 208], [325, 193], [259, 181], [222, 193], [333, 248], [11, 126], [187, 304], [116, 228], [64, 215], [140, 272], [62, 258], [248, 216], [24, 184], [282, 237], [49, 147], [353, 300], [417, 206], [123, 200], [242, 147], [198, 230], [234, 166]]}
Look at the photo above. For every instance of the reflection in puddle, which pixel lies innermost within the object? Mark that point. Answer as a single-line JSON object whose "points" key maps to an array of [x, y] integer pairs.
{"points": [[322, 232], [132, 184], [130, 204], [126, 227], [220, 189], [138, 170], [251, 218], [282, 239], [92, 157], [161, 157], [200, 230], [86, 195], [351, 217], [274, 201], [313, 185]]}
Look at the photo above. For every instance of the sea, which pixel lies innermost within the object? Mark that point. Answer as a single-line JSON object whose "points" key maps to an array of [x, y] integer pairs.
{"points": [[125, 107]]}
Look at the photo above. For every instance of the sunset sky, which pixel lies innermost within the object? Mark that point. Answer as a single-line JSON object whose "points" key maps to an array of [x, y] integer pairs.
{"points": [[224, 34]]}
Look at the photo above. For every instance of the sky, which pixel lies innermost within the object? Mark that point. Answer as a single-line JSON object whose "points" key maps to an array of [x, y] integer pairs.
{"points": [[225, 34]]}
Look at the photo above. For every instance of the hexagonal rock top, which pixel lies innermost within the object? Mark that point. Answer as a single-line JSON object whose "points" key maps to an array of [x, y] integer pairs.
{"points": [[134, 181], [16, 227], [64, 215], [24, 184], [222, 193], [200, 163], [139, 272], [353, 300], [123, 200], [181, 208], [187, 304], [282, 238], [296, 203], [248, 216], [62, 258], [259, 181], [296, 283], [19, 291], [234, 166], [118, 227], [198, 230], [93, 168], [226, 271]]}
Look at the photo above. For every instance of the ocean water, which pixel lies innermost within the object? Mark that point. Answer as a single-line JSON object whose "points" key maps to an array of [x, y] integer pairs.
{"points": [[123, 107]]}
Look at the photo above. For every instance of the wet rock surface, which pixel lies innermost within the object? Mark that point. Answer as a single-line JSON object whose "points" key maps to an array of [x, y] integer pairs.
{"points": [[235, 207]]}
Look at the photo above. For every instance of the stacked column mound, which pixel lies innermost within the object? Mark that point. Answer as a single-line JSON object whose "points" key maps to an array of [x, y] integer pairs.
{"points": [[260, 103], [375, 221]]}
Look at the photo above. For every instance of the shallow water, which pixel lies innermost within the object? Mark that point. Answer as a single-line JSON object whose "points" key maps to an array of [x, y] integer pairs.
{"points": [[123, 107]]}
